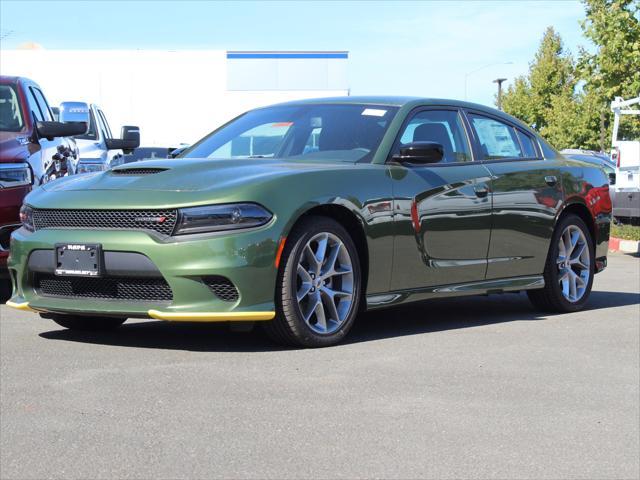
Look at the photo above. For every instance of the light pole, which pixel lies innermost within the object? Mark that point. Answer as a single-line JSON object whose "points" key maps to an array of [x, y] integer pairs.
{"points": [[499, 82], [466, 75]]}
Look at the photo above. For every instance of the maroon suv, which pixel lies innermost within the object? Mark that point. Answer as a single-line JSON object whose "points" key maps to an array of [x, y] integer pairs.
{"points": [[34, 149]]}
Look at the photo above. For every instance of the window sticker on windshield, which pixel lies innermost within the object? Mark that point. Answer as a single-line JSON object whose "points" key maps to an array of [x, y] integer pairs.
{"points": [[282, 124], [374, 112]]}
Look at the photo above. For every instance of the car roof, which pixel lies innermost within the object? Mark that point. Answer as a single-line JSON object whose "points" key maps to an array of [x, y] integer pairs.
{"points": [[411, 102]]}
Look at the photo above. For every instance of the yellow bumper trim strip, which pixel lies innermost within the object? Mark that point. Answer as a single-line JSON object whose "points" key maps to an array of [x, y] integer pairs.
{"points": [[212, 316], [24, 306]]}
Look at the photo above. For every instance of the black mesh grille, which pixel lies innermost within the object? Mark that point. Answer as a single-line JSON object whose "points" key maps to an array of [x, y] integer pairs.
{"points": [[109, 288], [222, 288], [161, 221], [138, 171]]}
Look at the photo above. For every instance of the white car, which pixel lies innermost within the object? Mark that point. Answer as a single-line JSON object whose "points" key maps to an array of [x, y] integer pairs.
{"points": [[625, 153], [99, 151]]}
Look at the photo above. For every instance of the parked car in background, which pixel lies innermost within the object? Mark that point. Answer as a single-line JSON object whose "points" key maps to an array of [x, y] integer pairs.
{"points": [[30, 132], [625, 153], [99, 151], [400, 200], [147, 153], [595, 158], [34, 148], [176, 152]]}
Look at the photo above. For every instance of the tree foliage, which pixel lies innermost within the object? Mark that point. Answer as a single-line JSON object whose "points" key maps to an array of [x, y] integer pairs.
{"points": [[568, 101]]}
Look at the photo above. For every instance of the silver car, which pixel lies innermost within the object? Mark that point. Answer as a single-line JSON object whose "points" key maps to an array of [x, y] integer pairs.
{"points": [[99, 151]]}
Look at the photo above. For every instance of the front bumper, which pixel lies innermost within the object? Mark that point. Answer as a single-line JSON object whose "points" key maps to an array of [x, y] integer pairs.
{"points": [[246, 258]]}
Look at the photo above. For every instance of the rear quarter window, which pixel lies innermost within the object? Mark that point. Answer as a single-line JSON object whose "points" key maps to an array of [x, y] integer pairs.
{"points": [[528, 148]]}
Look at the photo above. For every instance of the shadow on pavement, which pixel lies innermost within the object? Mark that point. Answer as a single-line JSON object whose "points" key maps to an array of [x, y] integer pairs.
{"points": [[416, 319], [5, 290]]}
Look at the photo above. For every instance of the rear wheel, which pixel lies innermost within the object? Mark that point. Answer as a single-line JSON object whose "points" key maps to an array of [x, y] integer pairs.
{"points": [[318, 287], [569, 270], [77, 322]]}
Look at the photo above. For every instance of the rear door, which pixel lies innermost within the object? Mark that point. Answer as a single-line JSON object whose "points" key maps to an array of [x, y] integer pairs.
{"points": [[527, 193], [442, 211]]}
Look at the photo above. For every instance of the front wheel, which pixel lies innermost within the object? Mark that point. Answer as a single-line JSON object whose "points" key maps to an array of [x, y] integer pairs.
{"points": [[318, 287], [78, 322], [569, 270]]}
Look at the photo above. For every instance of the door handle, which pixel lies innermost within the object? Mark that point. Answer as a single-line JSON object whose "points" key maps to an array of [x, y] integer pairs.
{"points": [[481, 191], [551, 180]]}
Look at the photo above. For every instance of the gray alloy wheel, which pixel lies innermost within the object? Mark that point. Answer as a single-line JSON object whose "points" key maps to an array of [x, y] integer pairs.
{"points": [[569, 269], [574, 263], [324, 283], [318, 288]]}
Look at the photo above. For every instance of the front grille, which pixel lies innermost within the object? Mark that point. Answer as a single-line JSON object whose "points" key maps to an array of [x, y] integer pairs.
{"points": [[161, 221], [222, 288], [104, 288], [137, 171]]}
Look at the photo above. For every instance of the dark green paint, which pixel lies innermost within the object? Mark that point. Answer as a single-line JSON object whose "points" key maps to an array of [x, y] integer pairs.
{"points": [[464, 244]]}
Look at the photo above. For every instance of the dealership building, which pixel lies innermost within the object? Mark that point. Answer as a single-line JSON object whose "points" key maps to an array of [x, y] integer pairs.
{"points": [[178, 96]]}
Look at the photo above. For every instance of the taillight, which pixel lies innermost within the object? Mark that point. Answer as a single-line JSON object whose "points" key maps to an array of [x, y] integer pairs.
{"points": [[615, 156]]}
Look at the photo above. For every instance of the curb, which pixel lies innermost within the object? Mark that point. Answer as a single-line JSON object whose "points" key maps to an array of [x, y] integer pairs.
{"points": [[624, 246]]}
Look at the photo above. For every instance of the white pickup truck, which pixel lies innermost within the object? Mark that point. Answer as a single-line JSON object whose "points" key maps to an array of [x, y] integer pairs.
{"points": [[98, 149], [625, 153]]}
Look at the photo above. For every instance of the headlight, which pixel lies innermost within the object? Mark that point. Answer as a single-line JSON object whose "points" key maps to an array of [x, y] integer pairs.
{"points": [[14, 175], [26, 217], [90, 167], [214, 218]]}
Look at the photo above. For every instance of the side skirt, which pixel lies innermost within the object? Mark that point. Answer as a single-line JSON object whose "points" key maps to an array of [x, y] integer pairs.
{"points": [[484, 287]]}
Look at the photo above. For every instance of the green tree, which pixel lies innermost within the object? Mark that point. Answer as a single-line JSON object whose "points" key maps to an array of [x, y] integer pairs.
{"points": [[546, 91], [613, 69]]}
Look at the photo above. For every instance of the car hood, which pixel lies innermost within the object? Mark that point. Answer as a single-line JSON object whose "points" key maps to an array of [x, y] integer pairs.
{"points": [[188, 175], [14, 147]]}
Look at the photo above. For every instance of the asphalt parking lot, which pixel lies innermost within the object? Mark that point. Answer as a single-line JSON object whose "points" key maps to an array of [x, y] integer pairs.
{"points": [[463, 388]]}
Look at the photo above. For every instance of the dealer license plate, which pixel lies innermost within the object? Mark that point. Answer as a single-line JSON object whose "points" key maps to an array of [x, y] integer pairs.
{"points": [[79, 259]]}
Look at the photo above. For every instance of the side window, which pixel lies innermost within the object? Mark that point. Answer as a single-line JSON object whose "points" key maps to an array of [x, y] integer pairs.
{"points": [[42, 104], [100, 126], [527, 145], [441, 126], [106, 124], [33, 106], [496, 139]]}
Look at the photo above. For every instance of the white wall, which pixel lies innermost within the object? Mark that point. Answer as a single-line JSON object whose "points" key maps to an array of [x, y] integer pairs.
{"points": [[173, 96]]}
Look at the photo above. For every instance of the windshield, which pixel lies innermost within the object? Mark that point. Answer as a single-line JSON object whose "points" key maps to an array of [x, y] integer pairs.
{"points": [[10, 114], [349, 133]]}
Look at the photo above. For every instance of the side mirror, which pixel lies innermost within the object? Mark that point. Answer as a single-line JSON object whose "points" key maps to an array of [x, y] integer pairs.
{"points": [[612, 179], [51, 130], [419, 153], [129, 141], [73, 119], [74, 113]]}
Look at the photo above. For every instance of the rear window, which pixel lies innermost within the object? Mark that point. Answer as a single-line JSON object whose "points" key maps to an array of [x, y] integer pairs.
{"points": [[526, 141], [496, 139], [10, 114]]}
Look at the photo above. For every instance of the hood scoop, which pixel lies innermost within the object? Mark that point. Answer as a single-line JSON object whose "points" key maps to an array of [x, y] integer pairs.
{"points": [[138, 171]]}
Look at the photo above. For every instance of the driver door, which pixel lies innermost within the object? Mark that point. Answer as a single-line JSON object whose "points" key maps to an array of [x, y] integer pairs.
{"points": [[442, 211]]}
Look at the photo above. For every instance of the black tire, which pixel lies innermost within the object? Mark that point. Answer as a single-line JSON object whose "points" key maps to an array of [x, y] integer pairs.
{"points": [[550, 298], [86, 323], [289, 327]]}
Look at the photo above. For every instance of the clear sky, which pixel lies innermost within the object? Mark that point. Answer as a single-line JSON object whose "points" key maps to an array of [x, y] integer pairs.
{"points": [[400, 48]]}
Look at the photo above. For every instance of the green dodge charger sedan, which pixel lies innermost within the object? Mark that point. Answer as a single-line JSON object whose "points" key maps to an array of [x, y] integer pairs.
{"points": [[301, 215]]}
